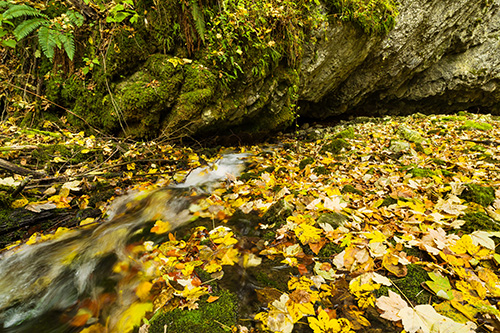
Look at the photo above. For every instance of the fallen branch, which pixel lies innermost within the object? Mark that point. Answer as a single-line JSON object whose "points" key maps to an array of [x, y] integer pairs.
{"points": [[19, 170]]}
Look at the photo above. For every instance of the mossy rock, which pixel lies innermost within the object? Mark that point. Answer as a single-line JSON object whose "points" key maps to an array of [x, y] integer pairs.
{"points": [[410, 285], [334, 219], [399, 146], [336, 146], [345, 134], [482, 195], [278, 213], [409, 134], [330, 250], [303, 163], [216, 317], [321, 170], [351, 189], [473, 125], [475, 221]]}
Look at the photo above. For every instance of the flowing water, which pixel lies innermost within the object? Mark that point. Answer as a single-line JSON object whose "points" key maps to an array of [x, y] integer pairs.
{"points": [[41, 284]]}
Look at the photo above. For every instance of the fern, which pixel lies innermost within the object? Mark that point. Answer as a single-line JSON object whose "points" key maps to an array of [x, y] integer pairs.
{"points": [[22, 10], [47, 41], [75, 18], [28, 26], [199, 20], [68, 44]]}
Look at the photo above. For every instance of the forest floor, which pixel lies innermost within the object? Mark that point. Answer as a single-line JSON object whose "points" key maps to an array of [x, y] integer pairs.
{"points": [[373, 225]]}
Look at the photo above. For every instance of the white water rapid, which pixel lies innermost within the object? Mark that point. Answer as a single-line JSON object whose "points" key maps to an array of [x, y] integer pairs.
{"points": [[41, 284]]}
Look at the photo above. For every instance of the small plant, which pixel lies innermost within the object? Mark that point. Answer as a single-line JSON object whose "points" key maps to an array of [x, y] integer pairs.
{"points": [[52, 33], [374, 16]]}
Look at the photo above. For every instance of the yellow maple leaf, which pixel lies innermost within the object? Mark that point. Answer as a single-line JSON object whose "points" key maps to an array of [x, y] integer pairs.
{"points": [[375, 236], [308, 234], [132, 317], [324, 324], [160, 227]]}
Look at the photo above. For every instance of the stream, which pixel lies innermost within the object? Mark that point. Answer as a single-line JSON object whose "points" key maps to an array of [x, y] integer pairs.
{"points": [[41, 284]]}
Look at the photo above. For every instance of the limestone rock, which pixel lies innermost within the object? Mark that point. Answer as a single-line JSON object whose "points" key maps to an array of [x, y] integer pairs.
{"points": [[442, 56]]}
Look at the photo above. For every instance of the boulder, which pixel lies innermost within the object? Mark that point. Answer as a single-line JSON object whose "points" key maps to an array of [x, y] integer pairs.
{"points": [[442, 56]]}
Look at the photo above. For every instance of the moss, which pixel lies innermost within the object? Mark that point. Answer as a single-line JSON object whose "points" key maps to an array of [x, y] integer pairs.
{"points": [[388, 201], [410, 285], [330, 250], [409, 134], [473, 125], [475, 221], [336, 146], [351, 189], [303, 163], [346, 134], [215, 317], [422, 172], [278, 213], [482, 195], [321, 170]]}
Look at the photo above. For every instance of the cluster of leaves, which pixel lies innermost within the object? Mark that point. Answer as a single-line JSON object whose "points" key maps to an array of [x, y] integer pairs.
{"points": [[257, 35], [52, 33], [366, 204], [374, 16]]}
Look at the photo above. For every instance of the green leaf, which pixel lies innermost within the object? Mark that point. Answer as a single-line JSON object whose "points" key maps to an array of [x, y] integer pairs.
{"points": [[199, 20], [440, 285], [22, 10], [68, 44], [75, 18], [28, 26], [9, 43], [47, 42]]}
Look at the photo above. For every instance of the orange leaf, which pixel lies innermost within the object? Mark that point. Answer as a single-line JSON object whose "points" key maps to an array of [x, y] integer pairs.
{"points": [[212, 299]]}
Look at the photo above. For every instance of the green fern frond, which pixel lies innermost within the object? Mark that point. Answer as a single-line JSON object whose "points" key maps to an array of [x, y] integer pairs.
{"points": [[68, 44], [22, 10], [47, 41], [75, 18], [28, 26], [5, 4], [199, 20]]}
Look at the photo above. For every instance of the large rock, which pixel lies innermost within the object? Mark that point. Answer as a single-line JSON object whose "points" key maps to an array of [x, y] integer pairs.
{"points": [[441, 56]]}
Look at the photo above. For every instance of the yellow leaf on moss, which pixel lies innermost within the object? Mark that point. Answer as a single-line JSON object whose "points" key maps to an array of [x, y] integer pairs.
{"points": [[19, 203], [132, 317], [160, 227], [308, 234]]}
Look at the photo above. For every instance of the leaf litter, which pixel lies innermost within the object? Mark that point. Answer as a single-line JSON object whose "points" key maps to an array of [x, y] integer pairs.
{"points": [[356, 217]]}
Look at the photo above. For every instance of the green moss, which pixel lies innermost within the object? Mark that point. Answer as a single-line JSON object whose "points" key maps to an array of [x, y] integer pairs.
{"points": [[473, 125], [336, 146], [303, 163], [482, 195], [388, 201], [278, 213], [410, 285], [378, 16], [422, 172], [215, 317], [475, 221], [351, 189], [330, 250], [346, 134], [321, 170]]}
